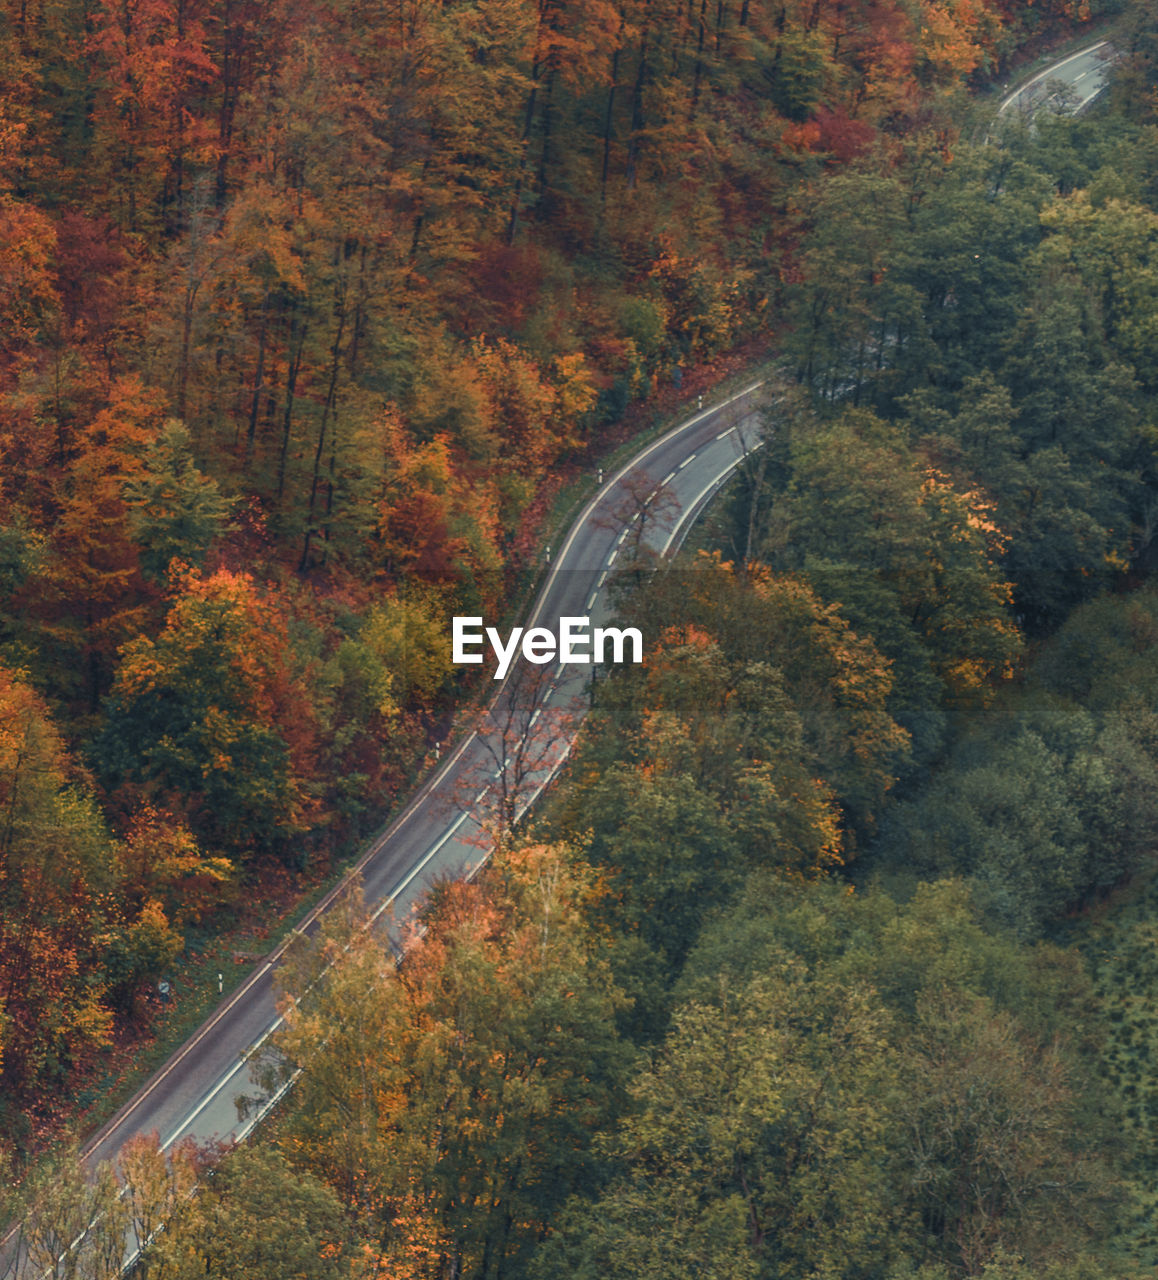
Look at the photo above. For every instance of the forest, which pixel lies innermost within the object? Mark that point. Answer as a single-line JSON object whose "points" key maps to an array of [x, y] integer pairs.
{"points": [[308, 311]]}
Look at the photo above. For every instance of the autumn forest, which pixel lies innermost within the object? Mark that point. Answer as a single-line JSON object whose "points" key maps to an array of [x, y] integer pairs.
{"points": [[829, 955]]}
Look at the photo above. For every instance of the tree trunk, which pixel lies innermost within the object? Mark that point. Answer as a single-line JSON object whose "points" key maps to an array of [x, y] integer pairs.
{"points": [[524, 147], [328, 412], [258, 384], [699, 72], [607, 118], [641, 76], [295, 363]]}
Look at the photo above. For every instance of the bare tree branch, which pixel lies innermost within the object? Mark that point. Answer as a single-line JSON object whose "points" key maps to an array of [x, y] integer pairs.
{"points": [[523, 739]]}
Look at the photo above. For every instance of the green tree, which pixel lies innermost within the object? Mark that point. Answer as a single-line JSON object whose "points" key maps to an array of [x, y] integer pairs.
{"points": [[988, 1133], [759, 1143], [407, 634], [175, 512], [688, 774], [910, 560], [255, 1217], [1042, 813], [774, 630], [1112, 246], [990, 1165], [973, 227], [849, 310]]}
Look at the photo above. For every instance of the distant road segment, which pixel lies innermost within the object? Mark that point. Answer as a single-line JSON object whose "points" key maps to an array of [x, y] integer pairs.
{"points": [[1075, 81]]}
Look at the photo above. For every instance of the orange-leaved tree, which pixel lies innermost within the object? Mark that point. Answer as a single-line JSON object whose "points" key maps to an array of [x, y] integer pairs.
{"points": [[91, 596], [213, 720], [56, 868], [453, 1099]]}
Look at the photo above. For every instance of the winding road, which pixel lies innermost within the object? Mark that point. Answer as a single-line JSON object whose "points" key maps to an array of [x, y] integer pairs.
{"points": [[438, 835], [1072, 84], [442, 832]]}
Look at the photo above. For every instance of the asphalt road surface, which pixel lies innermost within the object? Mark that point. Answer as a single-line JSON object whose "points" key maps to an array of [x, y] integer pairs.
{"points": [[1071, 84], [443, 830]]}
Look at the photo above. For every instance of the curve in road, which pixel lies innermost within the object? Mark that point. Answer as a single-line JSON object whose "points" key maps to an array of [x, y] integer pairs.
{"points": [[440, 833], [193, 1094], [1084, 73]]}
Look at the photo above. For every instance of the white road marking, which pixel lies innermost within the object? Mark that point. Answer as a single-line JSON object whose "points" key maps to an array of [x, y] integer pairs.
{"points": [[686, 462], [692, 506], [415, 807], [602, 580], [725, 433], [1048, 73], [611, 557], [591, 602], [420, 867], [667, 479]]}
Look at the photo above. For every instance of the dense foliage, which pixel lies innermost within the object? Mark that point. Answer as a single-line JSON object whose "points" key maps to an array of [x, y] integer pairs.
{"points": [[303, 307]]}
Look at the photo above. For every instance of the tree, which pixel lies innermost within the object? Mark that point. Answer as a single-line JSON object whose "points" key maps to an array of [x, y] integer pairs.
{"points": [[406, 634], [153, 54], [1043, 812], [974, 226], [730, 729], [911, 560], [92, 597], [225, 1230], [837, 682], [211, 719], [533, 421], [645, 513], [990, 1165], [757, 1144], [28, 299], [459, 1090], [74, 1224], [160, 862], [57, 872], [523, 741], [848, 313], [155, 1188], [434, 523], [175, 512], [967, 1165], [1112, 247], [665, 848]]}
